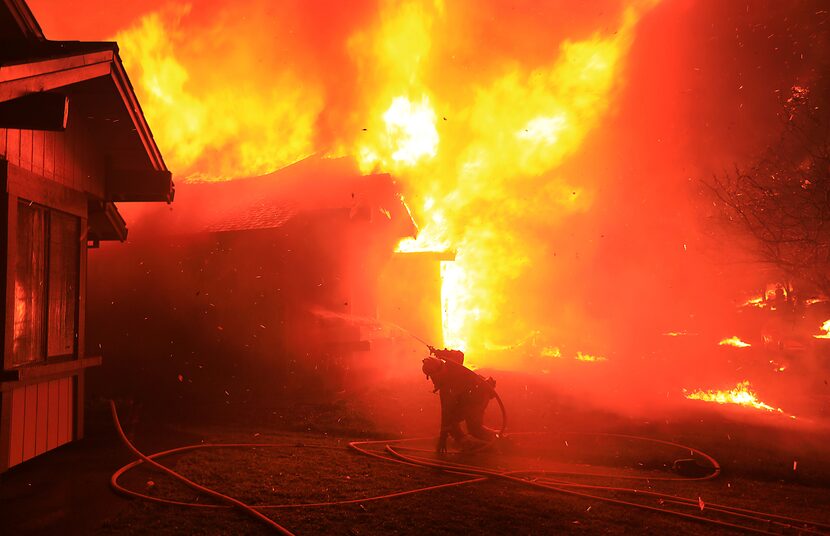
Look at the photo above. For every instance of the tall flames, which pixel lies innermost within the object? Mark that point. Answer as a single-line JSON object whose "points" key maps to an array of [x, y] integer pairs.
{"points": [[218, 119], [469, 174], [479, 151]]}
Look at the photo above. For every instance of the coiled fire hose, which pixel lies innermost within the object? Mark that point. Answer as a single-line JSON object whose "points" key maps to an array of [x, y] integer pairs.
{"points": [[198, 487], [474, 474]]}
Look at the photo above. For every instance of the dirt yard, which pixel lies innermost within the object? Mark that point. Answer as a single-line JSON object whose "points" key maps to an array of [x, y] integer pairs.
{"points": [[765, 467]]}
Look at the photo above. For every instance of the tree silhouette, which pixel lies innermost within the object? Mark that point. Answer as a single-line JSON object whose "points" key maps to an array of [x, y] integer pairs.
{"points": [[781, 202]]}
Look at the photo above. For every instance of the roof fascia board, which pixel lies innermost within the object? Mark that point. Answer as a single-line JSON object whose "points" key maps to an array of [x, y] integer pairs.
{"points": [[25, 19], [125, 89], [19, 80], [23, 69]]}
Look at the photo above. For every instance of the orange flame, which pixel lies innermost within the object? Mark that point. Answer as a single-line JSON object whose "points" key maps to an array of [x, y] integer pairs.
{"points": [[826, 329], [735, 342], [742, 395], [217, 123], [590, 358], [755, 302], [555, 353], [467, 147], [516, 128], [552, 351]]}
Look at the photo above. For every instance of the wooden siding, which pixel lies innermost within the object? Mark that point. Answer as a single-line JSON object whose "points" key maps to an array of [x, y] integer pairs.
{"points": [[69, 158], [42, 418]]}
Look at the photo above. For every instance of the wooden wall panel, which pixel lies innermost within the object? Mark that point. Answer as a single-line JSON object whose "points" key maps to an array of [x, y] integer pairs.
{"points": [[65, 412], [54, 414], [30, 422], [70, 408], [26, 149], [5, 427], [60, 152], [13, 146], [49, 155], [18, 420], [42, 417], [70, 158], [38, 141]]}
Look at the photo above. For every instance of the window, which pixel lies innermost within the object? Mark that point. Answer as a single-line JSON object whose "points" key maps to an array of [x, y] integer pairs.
{"points": [[64, 262], [29, 282], [46, 283]]}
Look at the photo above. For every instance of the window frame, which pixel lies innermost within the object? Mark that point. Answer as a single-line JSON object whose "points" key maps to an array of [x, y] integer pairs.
{"points": [[23, 185]]}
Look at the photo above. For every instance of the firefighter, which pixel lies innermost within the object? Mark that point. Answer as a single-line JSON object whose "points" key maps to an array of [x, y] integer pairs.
{"points": [[464, 397], [447, 354]]}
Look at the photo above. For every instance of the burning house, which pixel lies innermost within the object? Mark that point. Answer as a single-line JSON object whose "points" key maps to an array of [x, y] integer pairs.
{"points": [[250, 284], [615, 210], [73, 142]]}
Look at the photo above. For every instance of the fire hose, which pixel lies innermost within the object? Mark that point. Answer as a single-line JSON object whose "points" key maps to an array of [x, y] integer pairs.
{"points": [[543, 480]]}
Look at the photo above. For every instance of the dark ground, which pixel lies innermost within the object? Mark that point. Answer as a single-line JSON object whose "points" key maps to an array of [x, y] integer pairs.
{"points": [[67, 491]]}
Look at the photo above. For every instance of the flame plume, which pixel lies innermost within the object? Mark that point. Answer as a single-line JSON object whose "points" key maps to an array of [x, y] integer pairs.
{"points": [[470, 172], [478, 151], [215, 122]]}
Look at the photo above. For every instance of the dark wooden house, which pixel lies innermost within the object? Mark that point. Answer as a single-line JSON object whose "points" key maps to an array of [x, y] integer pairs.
{"points": [[73, 141], [249, 291]]}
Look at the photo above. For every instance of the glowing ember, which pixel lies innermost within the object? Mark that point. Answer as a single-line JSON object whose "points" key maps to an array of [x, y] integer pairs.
{"points": [[742, 395], [588, 357], [734, 342], [826, 329], [555, 353], [675, 334], [552, 352], [755, 302]]}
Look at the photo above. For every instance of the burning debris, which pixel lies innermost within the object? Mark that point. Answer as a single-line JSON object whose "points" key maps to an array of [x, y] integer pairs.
{"points": [[735, 342], [742, 395], [826, 329], [552, 351], [556, 353], [759, 302], [589, 358], [675, 334]]}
